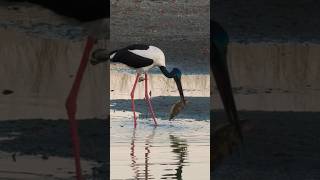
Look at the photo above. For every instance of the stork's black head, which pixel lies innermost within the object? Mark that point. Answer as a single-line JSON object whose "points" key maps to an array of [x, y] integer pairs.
{"points": [[176, 75]]}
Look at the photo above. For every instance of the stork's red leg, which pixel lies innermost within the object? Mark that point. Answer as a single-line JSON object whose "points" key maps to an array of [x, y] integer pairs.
{"points": [[148, 100], [132, 100], [71, 105]]}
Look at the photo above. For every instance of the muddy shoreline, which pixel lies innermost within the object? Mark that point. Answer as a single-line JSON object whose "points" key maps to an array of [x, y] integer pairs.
{"points": [[51, 138], [277, 145]]}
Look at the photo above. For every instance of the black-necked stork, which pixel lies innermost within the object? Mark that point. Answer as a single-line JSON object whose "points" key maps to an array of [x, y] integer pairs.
{"points": [[141, 58], [219, 67], [93, 15]]}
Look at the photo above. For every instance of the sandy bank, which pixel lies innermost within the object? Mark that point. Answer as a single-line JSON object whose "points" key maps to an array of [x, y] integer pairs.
{"points": [[275, 76], [40, 72], [159, 85]]}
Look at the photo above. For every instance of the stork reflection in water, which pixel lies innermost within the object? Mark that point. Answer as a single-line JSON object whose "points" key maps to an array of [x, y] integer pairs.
{"points": [[135, 166], [179, 148]]}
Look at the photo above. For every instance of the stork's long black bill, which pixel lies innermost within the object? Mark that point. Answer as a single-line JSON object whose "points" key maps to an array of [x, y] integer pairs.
{"points": [[179, 86]]}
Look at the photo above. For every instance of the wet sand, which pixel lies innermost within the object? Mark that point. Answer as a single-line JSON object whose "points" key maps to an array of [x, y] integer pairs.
{"points": [[42, 148], [26, 167], [278, 145]]}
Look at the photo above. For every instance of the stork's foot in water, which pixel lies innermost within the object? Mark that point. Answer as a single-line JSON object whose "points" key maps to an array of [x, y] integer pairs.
{"points": [[148, 101], [132, 101]]}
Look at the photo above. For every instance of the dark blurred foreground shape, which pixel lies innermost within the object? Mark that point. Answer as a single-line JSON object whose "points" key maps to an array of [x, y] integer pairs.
{"points": [[223, 137]]}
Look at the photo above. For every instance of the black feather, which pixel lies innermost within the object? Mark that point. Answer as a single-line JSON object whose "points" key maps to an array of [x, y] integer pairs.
{"points": [[130, 59], [123, 56]]}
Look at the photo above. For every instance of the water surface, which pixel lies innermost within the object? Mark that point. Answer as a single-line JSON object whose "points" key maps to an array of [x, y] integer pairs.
{"points": [[176, 149]]}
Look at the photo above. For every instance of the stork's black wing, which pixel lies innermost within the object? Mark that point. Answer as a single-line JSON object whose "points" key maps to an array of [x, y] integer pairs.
{"points": [[130, 59]]}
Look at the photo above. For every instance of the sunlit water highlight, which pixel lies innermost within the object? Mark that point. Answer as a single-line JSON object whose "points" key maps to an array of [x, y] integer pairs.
{"points": [[176, 149]]}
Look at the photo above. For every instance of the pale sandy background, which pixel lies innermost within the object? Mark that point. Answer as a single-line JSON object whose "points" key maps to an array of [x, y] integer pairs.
{"points": [[273, 54]]}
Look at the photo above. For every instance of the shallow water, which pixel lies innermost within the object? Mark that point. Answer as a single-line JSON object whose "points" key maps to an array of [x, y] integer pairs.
{"points": [[176, 149], [27, 167]]}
